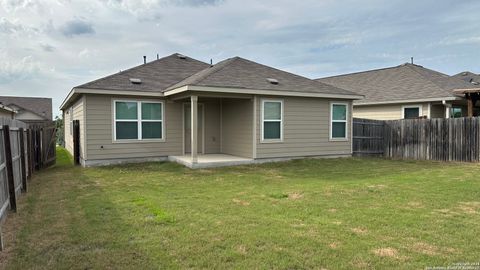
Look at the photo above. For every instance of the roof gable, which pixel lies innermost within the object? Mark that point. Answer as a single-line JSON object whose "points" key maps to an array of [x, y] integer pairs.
{"points": [[155, 76], [404, 82]]}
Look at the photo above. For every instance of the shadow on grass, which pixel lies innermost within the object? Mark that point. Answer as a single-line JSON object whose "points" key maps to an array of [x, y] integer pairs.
{"points": [[69, 221]]}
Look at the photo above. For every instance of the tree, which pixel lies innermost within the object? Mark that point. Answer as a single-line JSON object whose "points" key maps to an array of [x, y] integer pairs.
{"points": [[59, 127]]}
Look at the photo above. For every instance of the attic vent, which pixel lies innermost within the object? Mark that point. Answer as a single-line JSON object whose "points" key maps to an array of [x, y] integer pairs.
{"points": [[272, 81], [135, 80], [181, 56]]}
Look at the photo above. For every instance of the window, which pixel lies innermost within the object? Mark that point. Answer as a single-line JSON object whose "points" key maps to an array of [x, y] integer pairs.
{"points": [[138, 120], [338, 124], [272, 111], [411, 112], [457, 112]]}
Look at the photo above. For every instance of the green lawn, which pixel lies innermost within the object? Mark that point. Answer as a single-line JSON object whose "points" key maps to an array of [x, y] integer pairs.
{"points": [[331, 213]]}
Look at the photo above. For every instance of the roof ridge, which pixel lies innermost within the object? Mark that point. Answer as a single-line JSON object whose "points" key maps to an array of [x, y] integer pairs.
{"points": [[430, 80], [296, 75], [360, 72], [135, 67], [219, 66], [224, 63]]}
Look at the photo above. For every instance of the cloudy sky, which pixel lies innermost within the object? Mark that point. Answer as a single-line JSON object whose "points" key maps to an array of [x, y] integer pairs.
{"points": [[49, 46]]}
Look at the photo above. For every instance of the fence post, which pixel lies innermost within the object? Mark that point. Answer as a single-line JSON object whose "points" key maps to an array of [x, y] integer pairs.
{"points": [[29, 152], [22, 160], [9, 165]]}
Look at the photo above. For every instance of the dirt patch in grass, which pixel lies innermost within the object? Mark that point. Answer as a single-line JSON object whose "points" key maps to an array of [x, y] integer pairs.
{"points": [[415, 205], [240, 202], [360, 231], [426, 249], [241, 249], [334, 245], [332, 210], [295, 195], [469, 207], [387, 252]]}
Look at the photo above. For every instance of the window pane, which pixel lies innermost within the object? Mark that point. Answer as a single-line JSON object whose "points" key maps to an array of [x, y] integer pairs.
{"points": [[339, 130], [271, 130], [151, 111], [151, 130], [411, 113], [272, 110], [339, 112], [457, 112], [126, 110], [127, 130]]}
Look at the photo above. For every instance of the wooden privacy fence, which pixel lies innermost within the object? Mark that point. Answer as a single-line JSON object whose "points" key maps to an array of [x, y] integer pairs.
{"points": [[23, 149], [453, 139]]}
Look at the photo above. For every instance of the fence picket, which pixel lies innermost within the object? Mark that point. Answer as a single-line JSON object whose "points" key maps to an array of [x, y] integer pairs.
{"points": [[453, 139]]}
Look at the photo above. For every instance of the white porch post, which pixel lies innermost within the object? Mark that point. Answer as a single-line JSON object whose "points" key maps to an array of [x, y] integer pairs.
{"points": [[194, 120]]}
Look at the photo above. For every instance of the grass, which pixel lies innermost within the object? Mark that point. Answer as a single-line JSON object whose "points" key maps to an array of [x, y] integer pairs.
{"points": [[332, 214]]}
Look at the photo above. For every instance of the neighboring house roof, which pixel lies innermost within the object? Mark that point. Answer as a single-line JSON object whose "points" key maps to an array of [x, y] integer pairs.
{"points": [[24, 114], [173, 74], [155, 76], [39, 106], [469, 77], [400, 83], [7, 108], [242, 73]]}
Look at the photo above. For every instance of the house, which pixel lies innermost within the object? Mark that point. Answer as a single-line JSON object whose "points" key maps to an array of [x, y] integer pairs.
{"points": [[7, 112], [404, 91], [469, 77], [32, 110], [200, 115]]}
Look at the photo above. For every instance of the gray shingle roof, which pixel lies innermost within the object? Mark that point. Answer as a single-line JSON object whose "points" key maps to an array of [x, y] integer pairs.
{"points": [[469, 77], [242, 73], [39, 106], [403, 82], [156, 76]]}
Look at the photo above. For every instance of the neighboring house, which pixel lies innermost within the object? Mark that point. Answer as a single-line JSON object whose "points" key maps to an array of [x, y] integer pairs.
{"points": [[7, 112], [404, 91], [243, 112], [30, 110], [469, 77]]}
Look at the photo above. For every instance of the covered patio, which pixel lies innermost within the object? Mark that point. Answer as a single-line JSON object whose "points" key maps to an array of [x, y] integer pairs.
{"points": [[217, 129]]}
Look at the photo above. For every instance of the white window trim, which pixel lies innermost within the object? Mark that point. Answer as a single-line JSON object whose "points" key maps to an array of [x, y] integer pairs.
{"points": [[419, 106], [138, 120], [346, 121], [262, 108], [70, 112]]}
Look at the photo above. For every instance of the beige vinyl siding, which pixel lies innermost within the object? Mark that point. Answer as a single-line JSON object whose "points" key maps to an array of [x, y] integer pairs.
{"points": [[78, 114], [237, 127], [6, 114], [385, 112], [212, 127], [306, 130], [100, 131], [438, 111]]}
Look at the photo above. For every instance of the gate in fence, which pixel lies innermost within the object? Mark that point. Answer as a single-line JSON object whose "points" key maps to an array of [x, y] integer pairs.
{"points": [[453, 139], [23, 149]]}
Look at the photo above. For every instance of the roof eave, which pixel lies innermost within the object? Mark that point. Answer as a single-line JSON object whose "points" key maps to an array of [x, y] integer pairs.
{"points": [[76, 91], [450, 98], [259, 92]]}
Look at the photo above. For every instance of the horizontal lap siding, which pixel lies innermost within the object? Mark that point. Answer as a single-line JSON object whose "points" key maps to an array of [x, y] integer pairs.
{"points": [[212, 127], [78, 114], [384, 112], [237, 127], [306, 130], [100, 132]]}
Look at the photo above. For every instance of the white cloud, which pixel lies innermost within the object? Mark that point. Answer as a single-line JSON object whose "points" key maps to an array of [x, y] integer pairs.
{"points": [[72, 42]]}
